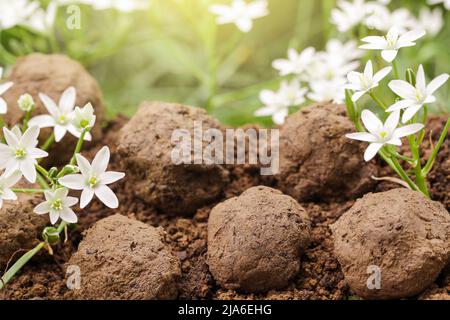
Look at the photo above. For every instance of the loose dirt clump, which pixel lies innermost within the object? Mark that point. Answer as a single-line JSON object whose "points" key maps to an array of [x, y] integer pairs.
{"points": [[121, 258], [255, 240], [317, 161], [400, 232], [20, 227], [145, 148], [51, 75]]}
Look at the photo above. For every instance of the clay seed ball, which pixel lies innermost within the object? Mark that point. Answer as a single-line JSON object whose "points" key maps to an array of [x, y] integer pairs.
{"points": [[145, 147], [20, 227], [122, 258], [255, 241], [317, 161], [399, 235]]}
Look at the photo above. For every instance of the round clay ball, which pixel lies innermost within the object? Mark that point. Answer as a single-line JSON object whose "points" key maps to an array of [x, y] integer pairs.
{"points": [[317, 161], [51, 75], [122, 258], [20, 227], [145, 147], [255, 241], [392, 244]]}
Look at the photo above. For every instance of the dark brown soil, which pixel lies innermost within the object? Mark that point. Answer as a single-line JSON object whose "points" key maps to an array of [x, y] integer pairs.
{"points": [[320, 275]]}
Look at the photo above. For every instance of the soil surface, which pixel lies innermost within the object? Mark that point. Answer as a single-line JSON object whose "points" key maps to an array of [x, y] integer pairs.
{"points": [[320, 275]]}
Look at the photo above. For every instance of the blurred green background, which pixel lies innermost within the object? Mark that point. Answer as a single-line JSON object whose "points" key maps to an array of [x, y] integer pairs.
{"points": [[174, 51]]}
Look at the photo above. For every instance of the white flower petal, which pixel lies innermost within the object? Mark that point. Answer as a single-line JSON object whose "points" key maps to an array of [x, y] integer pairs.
{"points": [[37, 153], [357, 95], [67, 100], [411, 36], [279, 116], [30, 137], [392, 121], [3, 106], [86, 197], [60, 132], [12, 179], [362, 136], [42, 208], [70, 201], [403, 89], [401, 104], [68, 215], [389, 55], [50, 105], [73, 181], [54, 216], [83, 165], [408, 130], [107, 196], [8, 194], [28, 170], [410, 112], [436, 83], [10, 138], [372, 151], [380, 75], [42, 121], [101, 160], [371, 121], [111, 177]]}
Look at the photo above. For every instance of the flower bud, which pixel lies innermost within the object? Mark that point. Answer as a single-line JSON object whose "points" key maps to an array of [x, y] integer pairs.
{"points": [[50, 235], [68, 169], [53, 172], [26, 102]]}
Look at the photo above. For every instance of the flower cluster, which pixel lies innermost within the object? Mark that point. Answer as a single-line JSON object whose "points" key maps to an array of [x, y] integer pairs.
{"points": [[376, 15], [20, 157], [412, 97], [323, 75]]}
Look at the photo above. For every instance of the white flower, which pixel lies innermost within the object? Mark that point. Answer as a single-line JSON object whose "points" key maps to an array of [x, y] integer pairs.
{"points": [[277, 103], [343, 52], [58, 205], [21, 153], [380, 134], [3, 88], [328, 90], [431, 21], [240, 13], [414, 97], [94, 179], [42, 20], [392, 42], [13, 13], [60, 117], [364, 82], [26, 102], [296, 63], [382, 19], [445, 2], [83, 118], [120, 5], [6, 182], [348, 14]]}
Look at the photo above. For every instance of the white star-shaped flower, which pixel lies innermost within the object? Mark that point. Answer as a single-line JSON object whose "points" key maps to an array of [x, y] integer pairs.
{"points": [[6, 182], [3, 88], [57, 203], [60, 116], [83, 118], [327, 90], [392, 42], [364, 82], [94, 179], [296, 63], [414, 97], [348, 14], [380, 134], [240, 13], [20, 152], [277, 103]]}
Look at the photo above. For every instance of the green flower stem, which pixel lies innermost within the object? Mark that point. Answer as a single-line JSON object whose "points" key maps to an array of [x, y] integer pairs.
{"points": [[41, 181], [403, 174], [429, 165], [420, 178], [61, 227], [378, 101], [78, 146], [25, 120], [44, 173], [400, 156], [19, 264], [47, 144], [395, 67], [29, 191]]}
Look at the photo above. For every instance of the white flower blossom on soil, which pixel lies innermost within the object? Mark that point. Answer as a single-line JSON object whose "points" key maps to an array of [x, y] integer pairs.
{"points": [[380, 134], [6, 183], [83, 118], [277, 103], [60, 116], [93, 179], [20, 152], [392, 42], [362, 83], [240, 13], [414, 97], [3, 88], [57, 203]]}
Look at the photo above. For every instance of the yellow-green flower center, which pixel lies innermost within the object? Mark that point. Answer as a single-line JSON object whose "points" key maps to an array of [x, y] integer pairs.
{"points": [[383, 134], [84, 123], [57, 204], [62, 119], [93, 182], [20, 153]]}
